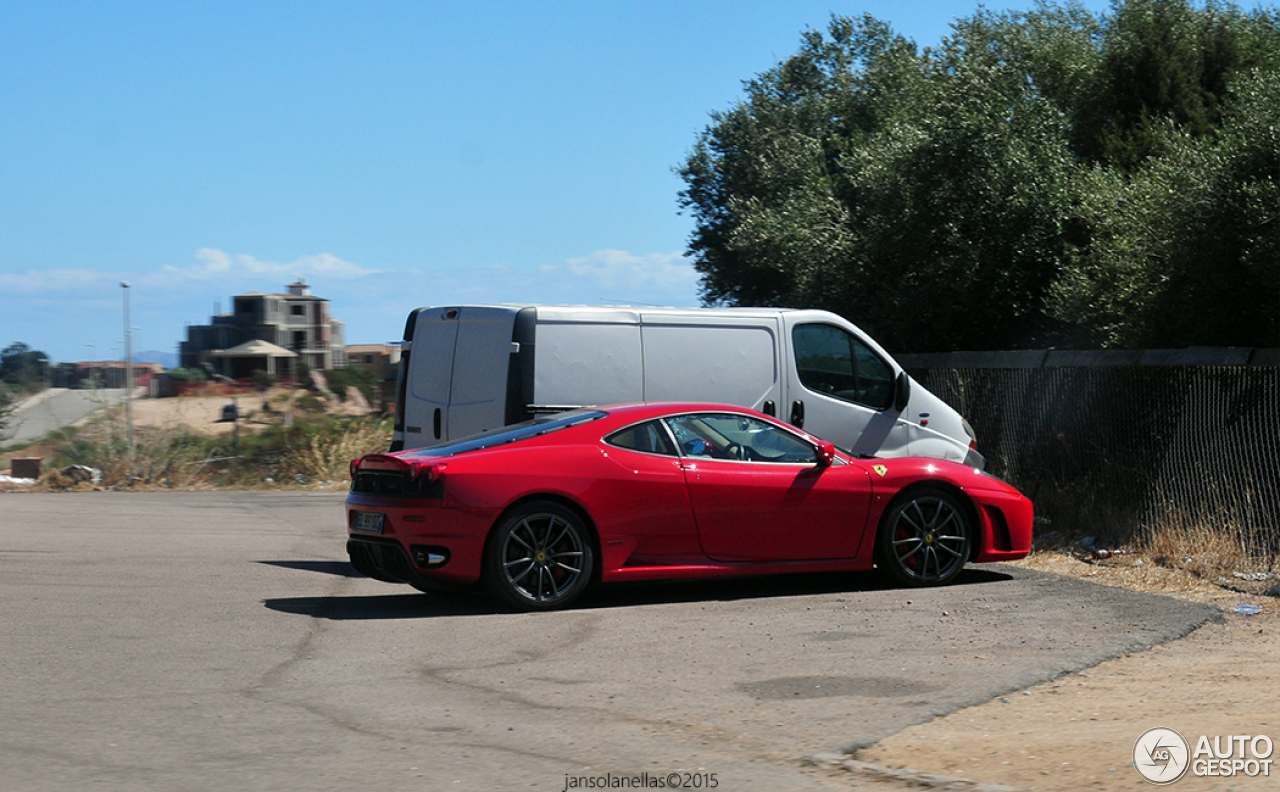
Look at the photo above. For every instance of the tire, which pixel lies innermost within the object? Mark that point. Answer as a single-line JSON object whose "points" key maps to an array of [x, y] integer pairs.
{"points": [[540, 557], [924, 538]]}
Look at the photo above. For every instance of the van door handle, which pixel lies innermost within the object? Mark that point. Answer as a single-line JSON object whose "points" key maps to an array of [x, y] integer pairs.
{"points": [[435, 423], [770, 408], [797, 414]]}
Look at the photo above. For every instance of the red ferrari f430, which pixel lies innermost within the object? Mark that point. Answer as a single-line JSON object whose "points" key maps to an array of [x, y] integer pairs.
{"points": [[539, 511]]}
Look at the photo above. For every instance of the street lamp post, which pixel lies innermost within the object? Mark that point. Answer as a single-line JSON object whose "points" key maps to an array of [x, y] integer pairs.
{"points": [[128, 366]]}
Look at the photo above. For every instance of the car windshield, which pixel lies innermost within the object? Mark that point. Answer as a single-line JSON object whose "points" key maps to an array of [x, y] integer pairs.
{"points": [[510, 434]]}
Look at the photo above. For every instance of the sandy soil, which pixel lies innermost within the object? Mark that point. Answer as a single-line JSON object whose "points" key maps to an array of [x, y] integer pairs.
{"points": [[196, 413], [203, 413], [1078, 732]]}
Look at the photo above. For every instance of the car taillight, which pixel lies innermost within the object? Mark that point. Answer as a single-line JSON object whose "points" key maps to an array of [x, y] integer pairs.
{"points": [[428, 473]]}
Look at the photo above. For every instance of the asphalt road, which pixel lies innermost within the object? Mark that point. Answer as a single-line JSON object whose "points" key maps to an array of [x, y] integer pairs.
{"points": [[218, 640], [55, 408]]}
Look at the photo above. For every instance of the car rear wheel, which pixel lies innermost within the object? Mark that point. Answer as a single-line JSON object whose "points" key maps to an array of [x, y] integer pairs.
{"points": [[924, 538], [540, 557]]}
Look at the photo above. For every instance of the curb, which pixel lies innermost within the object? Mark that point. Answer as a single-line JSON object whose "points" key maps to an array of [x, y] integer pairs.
{"points": [[903, 775]]}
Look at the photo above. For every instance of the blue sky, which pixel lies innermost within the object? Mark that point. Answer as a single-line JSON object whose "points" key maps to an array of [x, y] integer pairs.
{"points": [[394, 155]]}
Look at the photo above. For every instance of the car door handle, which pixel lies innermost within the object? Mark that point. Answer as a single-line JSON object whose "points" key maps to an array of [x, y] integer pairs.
{"points": [[797, 414]]}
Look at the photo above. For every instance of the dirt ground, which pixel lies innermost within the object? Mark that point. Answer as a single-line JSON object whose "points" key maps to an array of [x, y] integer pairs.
{"points": [[197, 413], [203, 413], [1078, 732]]}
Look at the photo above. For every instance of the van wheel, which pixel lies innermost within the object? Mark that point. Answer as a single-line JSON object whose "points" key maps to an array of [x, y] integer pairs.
{"points": [[540, 557], [924, 538]]}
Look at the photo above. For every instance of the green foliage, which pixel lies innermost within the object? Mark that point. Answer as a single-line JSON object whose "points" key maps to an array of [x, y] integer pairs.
{"points": [[1038, 178], [1187, 251], [187, 375], [1165, 61], [908, 191], [23, 367], [6, 411], [263, 380], [82, 452], [309, 402], [341, 379]]}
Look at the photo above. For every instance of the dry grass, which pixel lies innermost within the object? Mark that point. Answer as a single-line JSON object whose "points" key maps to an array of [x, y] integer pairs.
{"points": [[1215, 552], [326, 457], [1131, 571], [1195, 560], [172, 456]]}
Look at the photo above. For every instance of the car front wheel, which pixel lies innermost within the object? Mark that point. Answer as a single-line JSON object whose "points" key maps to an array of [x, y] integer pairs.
{"points": [[540, 557], [924, 538]]}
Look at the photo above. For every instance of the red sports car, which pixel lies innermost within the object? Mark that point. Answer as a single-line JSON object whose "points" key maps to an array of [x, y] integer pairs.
{"points": [[540, 510]]}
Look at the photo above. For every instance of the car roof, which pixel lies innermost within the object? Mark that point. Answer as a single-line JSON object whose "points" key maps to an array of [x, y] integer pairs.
{"points": [[641, 410]]}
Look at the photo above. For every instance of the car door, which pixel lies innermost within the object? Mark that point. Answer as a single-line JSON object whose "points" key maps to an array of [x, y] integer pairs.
{"points": [[758, 493], [646, 507]]}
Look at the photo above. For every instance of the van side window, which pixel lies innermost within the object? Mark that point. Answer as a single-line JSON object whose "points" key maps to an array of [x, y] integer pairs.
{"points": [[833, 362], [649, 438]]}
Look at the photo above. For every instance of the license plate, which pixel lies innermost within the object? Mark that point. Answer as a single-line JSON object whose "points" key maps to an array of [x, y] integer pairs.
{"points": [[368, 522]]}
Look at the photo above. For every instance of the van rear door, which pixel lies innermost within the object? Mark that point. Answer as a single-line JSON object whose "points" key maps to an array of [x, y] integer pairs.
{"points": [[425, 403], [482, 358]]}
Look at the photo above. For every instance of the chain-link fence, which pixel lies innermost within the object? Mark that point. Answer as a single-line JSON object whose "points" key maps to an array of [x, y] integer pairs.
{"points": [[1119, 451]]}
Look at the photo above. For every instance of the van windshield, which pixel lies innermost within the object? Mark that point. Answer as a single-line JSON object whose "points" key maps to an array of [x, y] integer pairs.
{"points": [[513, 433]]}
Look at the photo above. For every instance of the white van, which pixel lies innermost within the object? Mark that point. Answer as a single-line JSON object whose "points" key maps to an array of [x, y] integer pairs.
{"points": [[468, 368]]}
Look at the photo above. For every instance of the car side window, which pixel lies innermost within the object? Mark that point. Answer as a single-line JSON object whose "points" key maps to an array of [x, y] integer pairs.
{"points": [[835, 363], [648, 438], [739, 437]]}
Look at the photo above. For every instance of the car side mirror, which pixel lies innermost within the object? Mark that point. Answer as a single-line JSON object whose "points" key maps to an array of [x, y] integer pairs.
{"points": [[826, 454], [901, 391]]}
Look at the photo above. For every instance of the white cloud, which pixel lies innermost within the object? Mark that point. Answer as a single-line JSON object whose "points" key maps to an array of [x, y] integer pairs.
{"points": [[57, 281], [213, 264], [618, 269], [229, 272], [61, 310]]}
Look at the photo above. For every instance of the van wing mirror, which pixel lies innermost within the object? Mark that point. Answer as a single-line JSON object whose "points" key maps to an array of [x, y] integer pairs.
{"points": [[826, 454], [901, 391]]}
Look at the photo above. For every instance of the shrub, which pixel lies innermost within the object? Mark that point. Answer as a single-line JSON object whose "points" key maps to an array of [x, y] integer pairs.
{"points": [[187, 375], [311, 450], [364, 381]]}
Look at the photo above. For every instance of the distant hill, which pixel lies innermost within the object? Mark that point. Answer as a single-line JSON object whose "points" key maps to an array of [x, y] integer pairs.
{"points": [[167, 359]]}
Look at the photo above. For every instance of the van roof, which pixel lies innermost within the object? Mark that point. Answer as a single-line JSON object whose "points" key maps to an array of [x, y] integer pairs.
{"points": [[759, 310]]}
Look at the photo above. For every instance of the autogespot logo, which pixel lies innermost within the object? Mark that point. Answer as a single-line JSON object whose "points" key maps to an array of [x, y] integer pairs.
{"points": [[1160, 755]]}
